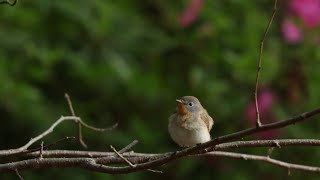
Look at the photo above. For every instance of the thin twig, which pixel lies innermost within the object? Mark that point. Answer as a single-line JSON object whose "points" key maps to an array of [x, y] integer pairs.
{"points": [[8, 2], [69, 104], [258, 122], [59, 141], [128, 147], [98, 129], [45, 133], [41, 150], [37, 149], [123, 158], [18, 174], [154, 171], [127, 161], [83, 123], [79, 129], [50, 130], [265, 159], [270, 150]]}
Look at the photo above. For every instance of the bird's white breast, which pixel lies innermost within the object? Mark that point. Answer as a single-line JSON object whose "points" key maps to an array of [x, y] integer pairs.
{"points": [[188, 133]]}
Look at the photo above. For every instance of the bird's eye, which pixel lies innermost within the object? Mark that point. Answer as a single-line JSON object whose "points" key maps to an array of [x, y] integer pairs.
{"points": [[190, 104]]}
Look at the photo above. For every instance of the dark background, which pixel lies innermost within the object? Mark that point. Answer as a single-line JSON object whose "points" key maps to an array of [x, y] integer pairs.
{"points": [[127, 61]]}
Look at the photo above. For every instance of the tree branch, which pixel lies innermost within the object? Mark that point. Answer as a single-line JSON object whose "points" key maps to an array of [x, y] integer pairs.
{"points": [[258, 122], [79, 137], [95, 164], [8, 2], [48, 131], [18, 174], [120, 156], [267, 159], [280, 143], [129, 146], [197, 149]]}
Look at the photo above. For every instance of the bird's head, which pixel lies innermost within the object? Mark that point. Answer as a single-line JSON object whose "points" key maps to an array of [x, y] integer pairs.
{"points": [[188, 104]]}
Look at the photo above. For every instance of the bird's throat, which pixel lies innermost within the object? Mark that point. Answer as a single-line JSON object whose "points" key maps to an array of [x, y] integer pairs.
{"points": [[181, 109]]}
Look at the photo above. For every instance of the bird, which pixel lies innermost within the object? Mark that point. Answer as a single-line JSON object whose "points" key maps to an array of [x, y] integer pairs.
{"points": [[190, 124]]}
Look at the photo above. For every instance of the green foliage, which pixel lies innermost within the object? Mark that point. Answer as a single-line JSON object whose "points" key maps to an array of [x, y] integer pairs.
{"points": [[128, 61]]}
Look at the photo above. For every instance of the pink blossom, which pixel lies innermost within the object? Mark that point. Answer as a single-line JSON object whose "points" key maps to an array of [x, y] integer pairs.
{"points": [[190, 14], [291, 32], [265, 102], [307, 10]]}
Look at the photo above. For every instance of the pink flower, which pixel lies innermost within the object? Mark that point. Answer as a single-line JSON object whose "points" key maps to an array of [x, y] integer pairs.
{"points": [[290, 31], [190, 14], [265, 102], [307, 10]]}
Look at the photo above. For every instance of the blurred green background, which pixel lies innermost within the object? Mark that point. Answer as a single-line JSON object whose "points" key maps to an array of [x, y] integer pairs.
{"points": [[127, 61]]}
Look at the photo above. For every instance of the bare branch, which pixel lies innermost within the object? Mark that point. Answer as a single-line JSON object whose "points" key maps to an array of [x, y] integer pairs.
{"points": [[224, 146], [197, 149], [48, 131], [154, 171], [127, 161], [52, 127], [129, 146], [70, 104], [123, 158], [109, 158], [268, 143], [37, 149], [258, 122], [41, 150], [45, 133], [79, 137], [18, 174], [265, 159], [94, 164], [83, 123], [56, 142], [265, 127], [99, 129], [8, 2], [270, 150]]}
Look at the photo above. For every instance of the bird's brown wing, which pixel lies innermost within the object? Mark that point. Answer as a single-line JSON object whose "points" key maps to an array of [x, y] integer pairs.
{"points": [[206, 119]]}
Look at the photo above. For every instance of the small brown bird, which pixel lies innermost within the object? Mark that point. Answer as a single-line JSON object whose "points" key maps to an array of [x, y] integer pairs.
{"points": [[190, 124]]}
